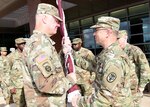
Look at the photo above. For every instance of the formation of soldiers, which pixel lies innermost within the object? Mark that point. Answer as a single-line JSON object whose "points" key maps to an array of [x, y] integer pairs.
{"points": [[12, 74], [34, 74]]}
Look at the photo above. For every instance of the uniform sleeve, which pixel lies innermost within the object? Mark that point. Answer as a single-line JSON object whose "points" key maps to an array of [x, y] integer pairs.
{"points": [[113, 75], [143, 68], [86, 62], [49, 78], [46, 71]]}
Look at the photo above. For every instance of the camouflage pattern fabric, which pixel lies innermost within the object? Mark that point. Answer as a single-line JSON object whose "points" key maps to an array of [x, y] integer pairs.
{"points": [[5, 74], [49, 10], [45, 83], [85, 69], [142, 70], [85, 80], [16, 71], [112, 83], [107, 22], [2, 100], [142, 66], [16, 78], [84, 59]]}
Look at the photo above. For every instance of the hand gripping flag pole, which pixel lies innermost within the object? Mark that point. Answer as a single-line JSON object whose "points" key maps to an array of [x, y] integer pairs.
{"points": [[69, 63]]}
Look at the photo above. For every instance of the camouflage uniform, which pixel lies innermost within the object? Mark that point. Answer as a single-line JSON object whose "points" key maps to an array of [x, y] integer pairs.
{"points": [[112, 79], [16, 78], [5, 75], [84, 59], [2, 100], [85, 67], [141, 68], [112, 83], [45, 83]]}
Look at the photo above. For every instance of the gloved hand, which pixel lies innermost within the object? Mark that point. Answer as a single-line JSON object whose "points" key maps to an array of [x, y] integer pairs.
{"points": [[73, 96], [66, 44]]}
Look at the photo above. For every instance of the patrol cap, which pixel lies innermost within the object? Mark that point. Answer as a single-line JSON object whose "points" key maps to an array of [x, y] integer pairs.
{"points": [[122, 33], [20, 40], [26, 39], [44, 8], [76, 40], [3, 49], [107, 22]]}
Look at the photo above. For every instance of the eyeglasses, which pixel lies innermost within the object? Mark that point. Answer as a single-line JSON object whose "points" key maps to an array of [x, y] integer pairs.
{"points": [[98, 29], [21, 43]]}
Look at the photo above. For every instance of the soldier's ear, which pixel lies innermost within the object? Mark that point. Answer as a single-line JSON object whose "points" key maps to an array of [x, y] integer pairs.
{"points": [[16, 45], [109, 33], [44, 19]]}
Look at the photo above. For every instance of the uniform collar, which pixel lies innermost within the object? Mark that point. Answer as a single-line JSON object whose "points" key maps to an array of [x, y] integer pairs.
{"points": [[45, 35]]}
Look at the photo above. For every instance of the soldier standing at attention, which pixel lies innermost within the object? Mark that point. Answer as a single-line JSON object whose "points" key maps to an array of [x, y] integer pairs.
{"points": [[16, 74], [5, 73], [45, 84], [84, 59], [140, 62], [82, 55], [112, 83]]}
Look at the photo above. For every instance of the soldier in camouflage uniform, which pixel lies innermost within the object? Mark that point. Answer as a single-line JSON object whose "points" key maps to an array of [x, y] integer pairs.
{"points": [[45, 84], [140, 63], [5, 74], [112, 83], [2, 100], [16, 75], [85, 61]]}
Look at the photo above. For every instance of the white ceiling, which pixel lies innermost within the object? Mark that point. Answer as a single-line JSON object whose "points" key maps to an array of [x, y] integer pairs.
{"points": [[19, 16]]}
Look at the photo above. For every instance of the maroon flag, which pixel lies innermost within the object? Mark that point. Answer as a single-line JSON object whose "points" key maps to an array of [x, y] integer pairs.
{"points": [[69, 63]]}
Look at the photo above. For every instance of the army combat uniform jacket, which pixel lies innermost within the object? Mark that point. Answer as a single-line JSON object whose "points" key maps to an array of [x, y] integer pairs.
{"points": [[5, 77], [112, 83], [45, 84], [16, 77], [85, 69], [16, 70], [142, 68], [84, 59]]}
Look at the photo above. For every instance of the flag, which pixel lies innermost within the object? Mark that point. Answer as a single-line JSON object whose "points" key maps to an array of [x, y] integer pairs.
{"points": [[69, 62]]}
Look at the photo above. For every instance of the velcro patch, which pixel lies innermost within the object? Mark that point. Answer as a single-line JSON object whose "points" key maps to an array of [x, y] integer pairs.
{"points": [[44, 64]]}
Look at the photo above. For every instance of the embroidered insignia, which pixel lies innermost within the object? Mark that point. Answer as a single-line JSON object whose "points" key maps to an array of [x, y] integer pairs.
{"points": [[111, 77], [47, 67], [41, 58]]}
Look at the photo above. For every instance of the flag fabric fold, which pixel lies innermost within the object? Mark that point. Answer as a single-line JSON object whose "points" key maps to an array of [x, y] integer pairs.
{"points": [[69, 62]]}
